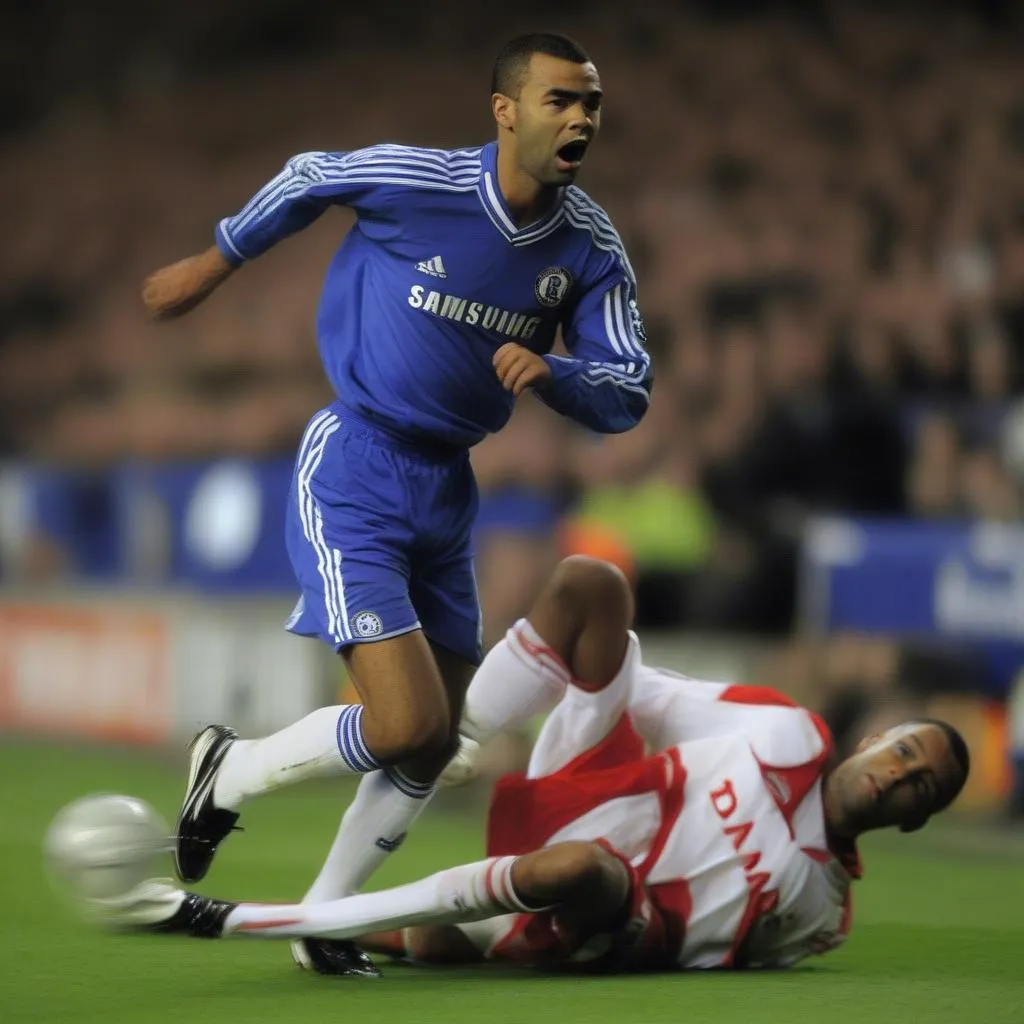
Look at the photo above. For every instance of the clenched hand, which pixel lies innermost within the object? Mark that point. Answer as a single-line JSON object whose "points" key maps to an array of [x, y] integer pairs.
{"points": [[518, 368]]}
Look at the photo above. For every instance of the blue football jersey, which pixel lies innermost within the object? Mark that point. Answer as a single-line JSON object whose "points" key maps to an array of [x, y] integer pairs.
{"points": [[435, 276]]}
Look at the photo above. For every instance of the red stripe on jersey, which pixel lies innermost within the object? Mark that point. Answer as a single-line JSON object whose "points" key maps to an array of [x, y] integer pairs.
{"points": [[524, 812], [821, 856], [738, 694], [759, 902], [674, 903], [672, 796]]}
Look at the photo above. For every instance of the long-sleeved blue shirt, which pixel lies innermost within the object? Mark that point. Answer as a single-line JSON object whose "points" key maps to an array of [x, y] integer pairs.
{"points": [[435, 277]]}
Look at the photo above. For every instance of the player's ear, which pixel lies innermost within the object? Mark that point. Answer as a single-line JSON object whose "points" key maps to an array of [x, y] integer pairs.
{"points": [[504, 110]]}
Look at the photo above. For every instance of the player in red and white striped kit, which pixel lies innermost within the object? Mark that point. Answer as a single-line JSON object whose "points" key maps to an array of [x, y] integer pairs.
{"points": [[663, 822]]}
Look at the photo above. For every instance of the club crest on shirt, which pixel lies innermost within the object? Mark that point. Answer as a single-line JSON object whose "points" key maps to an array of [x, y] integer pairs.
{"points": [[367, 624], [552, 286]]}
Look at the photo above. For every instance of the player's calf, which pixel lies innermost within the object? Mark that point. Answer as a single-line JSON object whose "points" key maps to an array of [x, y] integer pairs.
{"points": [[404, 724]]}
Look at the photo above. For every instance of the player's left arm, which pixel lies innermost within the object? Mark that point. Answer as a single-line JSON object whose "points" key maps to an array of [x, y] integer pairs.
{"points": [[605, 382]]}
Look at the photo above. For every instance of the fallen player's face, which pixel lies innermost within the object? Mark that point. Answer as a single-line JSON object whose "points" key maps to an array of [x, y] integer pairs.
{"points": [[897, 778], [557, 117]]}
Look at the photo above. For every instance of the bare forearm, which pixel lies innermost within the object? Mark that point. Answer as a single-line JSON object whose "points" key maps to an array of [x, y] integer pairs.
{"points": [[173, 290]]}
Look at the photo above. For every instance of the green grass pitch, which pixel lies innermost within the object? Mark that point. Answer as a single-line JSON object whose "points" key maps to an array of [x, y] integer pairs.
{"points": [[937, 934]]}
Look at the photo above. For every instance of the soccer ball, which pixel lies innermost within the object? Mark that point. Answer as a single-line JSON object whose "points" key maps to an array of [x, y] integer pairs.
{"points": [[99, 848]]}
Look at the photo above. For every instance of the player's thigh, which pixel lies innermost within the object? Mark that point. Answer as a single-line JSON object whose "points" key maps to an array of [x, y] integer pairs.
{"points": [[584, 719], [443, 585], [348, 535], [406, 708], [350, 529]]}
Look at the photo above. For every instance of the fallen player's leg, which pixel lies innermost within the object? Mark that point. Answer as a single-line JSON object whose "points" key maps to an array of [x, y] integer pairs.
{"points": [[575, 891], [576, 636], [593, 895]]}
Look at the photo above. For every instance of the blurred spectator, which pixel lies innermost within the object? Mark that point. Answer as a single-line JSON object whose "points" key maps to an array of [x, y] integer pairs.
{"points": [[641, 488], [827, 215], [933, 482]]}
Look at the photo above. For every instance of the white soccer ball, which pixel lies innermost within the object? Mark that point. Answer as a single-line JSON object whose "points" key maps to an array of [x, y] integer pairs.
{"points": [[99, 848]]}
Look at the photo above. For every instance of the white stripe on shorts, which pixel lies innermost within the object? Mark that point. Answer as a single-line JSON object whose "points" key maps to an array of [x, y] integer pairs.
{"points": [[311, 454]]}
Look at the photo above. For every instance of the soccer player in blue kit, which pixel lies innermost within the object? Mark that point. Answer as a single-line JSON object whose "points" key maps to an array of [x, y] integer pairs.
{"points": [[439, 310]]}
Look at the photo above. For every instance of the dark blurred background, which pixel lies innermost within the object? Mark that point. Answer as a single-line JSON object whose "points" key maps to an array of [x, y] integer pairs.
{"points": [[825, 211]]}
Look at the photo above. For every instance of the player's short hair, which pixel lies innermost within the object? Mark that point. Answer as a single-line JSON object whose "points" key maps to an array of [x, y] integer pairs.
{"points": [[514, 58], [961, 754]]}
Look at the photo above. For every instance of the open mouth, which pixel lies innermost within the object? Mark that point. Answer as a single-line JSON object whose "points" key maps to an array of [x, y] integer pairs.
{"points": [[572, 153]]}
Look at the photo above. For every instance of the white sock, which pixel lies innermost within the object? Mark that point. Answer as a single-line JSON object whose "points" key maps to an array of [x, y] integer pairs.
{"points": [[326, 742], [470, 892], [520, 677], [374, 825]]}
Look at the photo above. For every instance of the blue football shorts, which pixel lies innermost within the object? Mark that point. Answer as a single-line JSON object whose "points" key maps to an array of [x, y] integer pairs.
{"points": [[379, 533]]}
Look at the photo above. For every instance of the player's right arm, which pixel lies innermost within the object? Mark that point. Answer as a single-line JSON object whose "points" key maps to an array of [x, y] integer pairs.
{"points": [[173, 290], [292, 200], [307, 185]]}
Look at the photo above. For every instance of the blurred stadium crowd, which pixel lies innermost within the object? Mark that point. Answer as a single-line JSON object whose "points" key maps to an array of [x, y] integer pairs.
{"points": [[825, 214]]}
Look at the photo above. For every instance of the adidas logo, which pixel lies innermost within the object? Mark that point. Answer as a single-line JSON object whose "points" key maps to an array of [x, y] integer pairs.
{"points": [[434, 267]]}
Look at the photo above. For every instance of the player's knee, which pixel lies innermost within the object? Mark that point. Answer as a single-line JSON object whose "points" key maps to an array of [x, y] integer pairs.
{"points": [[428, 736], [414, 733], [449, 747], [595, 588]]}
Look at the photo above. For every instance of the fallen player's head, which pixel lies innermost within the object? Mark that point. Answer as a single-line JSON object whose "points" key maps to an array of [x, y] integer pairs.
{"points": [[546, 98], [899, 777]]}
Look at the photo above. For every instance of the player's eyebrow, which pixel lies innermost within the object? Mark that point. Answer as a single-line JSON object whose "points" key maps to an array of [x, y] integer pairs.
{"points": [[573, 94], [920, 745]]}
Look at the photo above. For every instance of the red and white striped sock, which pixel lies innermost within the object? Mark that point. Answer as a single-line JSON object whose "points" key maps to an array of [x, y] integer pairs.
{"points": [[520, 677], [470, 892]]}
